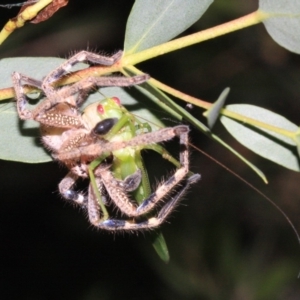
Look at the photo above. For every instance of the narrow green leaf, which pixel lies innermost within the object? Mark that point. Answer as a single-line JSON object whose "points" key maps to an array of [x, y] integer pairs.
{"points": [[154, 22], [284, 24], [160, 246], [212, 114], [268, 144]]}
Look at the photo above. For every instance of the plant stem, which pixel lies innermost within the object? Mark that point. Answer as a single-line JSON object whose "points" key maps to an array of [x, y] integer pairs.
{"points": [[246, 21], [237, 24], [27, 14], [225, 112]]}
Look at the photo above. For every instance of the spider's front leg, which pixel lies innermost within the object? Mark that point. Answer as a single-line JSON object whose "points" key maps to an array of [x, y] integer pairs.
{"points": [[48, 112], [66, 190], [96, 208], [98, 149], [79, 57], [94, 202], [120, 197], [21, 99], [146, 223], [176, 182], [82, 87]]}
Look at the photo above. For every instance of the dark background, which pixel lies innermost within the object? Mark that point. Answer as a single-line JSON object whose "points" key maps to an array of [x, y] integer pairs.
{"points": [[225, 241]]}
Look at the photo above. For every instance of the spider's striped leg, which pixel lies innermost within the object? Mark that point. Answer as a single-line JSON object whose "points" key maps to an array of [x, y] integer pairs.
{"points": [[62, 116], [97, 149], [21, 99], [86, 84], [66, 189], [79, 57], [94, 204], [175, 179], [170, 205], [97, 197], [124, 225], [119, 196]]}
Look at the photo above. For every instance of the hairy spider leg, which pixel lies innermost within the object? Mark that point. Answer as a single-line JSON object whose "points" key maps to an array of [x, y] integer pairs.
{"points": [[108, 109], [86, 84], [66, 190], [150, 223], [120, 197], [17, 78], [65, 115], [82, 87], [96, 149], [121, 200], [138, 142], [96, 198], [135, 174], [79, 57]]}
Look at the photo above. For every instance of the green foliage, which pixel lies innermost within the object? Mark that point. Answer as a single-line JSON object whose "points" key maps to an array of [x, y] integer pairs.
{"points": [[220, 265], [149, 25], [29, 148], [268, 144], [149, 28], [284, 24]]}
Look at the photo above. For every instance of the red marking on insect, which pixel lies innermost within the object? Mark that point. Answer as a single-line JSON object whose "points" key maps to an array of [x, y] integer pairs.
{"points": [[100, 109], [116, 100]]}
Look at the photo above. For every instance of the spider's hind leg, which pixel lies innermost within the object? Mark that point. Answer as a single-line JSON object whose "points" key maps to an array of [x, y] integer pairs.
{"points": [[79, 57], [153, 222], [120, 197], [86, 84], [66, 190], [21, 99], [164, 189]]}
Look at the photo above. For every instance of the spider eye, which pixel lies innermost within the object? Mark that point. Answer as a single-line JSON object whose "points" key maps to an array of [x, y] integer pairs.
{"points": [[104, 126], [116, 100]]}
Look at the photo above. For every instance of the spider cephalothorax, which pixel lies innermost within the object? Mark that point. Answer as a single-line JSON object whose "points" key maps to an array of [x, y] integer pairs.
{"points": [[104, 144]]}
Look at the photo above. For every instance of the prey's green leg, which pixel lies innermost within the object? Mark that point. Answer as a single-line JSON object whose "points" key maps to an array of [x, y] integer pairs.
{"points": [[93, 165]]}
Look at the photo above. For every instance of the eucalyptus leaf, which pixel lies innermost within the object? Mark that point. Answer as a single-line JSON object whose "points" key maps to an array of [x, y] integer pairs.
{"points": [[152, 22], [284, 24], [20, 140], [268, 144]]}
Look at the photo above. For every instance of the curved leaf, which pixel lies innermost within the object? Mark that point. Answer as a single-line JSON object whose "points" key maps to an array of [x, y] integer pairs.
{"points": [[284, 26], [154, 22], [268, 144], [20, 140]]}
